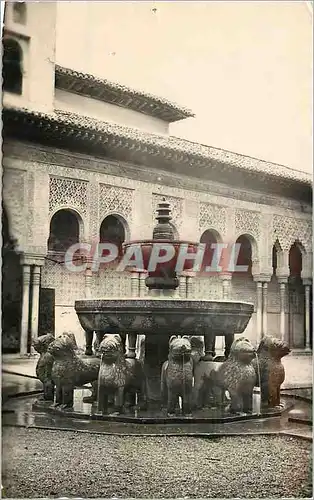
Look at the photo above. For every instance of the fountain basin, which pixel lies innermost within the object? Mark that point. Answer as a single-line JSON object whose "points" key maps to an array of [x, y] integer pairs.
{"points": [[168, 316]]}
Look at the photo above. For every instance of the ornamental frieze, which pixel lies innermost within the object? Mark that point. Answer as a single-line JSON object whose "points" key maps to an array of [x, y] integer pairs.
{"points": [[74, 165]]}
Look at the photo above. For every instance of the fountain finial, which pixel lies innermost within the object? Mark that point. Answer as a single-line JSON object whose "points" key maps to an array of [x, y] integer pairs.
{"points": [[163, 230]]}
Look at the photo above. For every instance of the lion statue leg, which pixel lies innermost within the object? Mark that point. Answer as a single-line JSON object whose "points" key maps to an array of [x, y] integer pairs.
{"points": [[173, 401], [273, 396], [67, 397], [236, 401], [119, 400], [49, 390], [264, 390], [163, 385], [247, 401], [102, 400], [58, 392], [187, 402]]}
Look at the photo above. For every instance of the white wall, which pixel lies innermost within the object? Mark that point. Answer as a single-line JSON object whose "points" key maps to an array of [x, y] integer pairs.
{"points": [[104, 111]]}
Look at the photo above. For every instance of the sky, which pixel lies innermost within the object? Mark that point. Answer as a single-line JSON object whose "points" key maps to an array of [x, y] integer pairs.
{"points": [[243, 67]]}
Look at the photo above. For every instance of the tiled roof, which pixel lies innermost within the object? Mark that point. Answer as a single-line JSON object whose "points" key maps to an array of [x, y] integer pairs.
{"points": [[120, 95], [176, 150]]}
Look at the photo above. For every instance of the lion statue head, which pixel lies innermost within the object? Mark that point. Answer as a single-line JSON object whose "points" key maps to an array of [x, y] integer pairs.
{"points": [[242, 350], [42, 343], [111, 348], [273, 347], [62, 346], [180, 348]]}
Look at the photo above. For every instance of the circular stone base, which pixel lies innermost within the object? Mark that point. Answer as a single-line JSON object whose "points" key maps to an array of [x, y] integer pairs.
{"points": [[86, 411]]}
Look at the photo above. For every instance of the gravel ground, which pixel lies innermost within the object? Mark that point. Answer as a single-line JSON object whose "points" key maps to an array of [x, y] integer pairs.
{"points": [[44, 463]]}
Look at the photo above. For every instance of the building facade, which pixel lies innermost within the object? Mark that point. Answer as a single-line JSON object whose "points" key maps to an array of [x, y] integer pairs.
{"points": [[87, 160]]}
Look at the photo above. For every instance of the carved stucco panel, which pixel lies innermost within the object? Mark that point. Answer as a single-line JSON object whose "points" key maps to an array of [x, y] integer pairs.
{"points": [[287, 230], [68, 286], [14, 196], [247, 222], [111, 283], [204, 287], [93, 203], [30, 205], [115, 199], [212, 217], [67, 192]]}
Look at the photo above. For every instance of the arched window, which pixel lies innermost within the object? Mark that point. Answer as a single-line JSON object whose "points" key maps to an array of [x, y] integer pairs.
{"points": [[112, 231], [12, 66], [64, 231], [295, 261], [19, 12], [245, 255], [209, 238]]}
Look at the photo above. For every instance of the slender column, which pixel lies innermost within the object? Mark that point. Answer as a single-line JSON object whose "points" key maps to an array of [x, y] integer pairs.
{"points": [[226, 286], [135, 286], [25, 309], [88, 283], [189, 287], [259, 306], [264, 323], [142, 287], [307, 285], [182, 286], [132, 339], [282, 291], [209, 344], [35, 302]]}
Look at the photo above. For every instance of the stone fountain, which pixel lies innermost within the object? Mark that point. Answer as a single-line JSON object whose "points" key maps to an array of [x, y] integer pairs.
{"points": [[175, 378], [162, 313]]}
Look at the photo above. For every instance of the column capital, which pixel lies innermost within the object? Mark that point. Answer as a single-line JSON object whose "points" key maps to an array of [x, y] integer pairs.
{"points": [[32, 259], [282, 279], [188, 273], [225, 276], [307, 281], [264, 278]]}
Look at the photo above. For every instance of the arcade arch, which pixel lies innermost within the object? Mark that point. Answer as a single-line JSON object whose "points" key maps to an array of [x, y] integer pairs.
{"points": [[66, 228]]}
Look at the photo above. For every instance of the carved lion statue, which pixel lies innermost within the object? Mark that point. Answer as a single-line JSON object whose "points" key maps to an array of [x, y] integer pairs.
{"points": [[69, 370], [119, 377], [177, 376], [271, 370], [237, 376], [44, 365]]}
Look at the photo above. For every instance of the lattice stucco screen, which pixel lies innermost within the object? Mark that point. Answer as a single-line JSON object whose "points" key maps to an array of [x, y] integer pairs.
{"points": [[207, 288], [71, 286], [68, 286], [110, 283]]}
